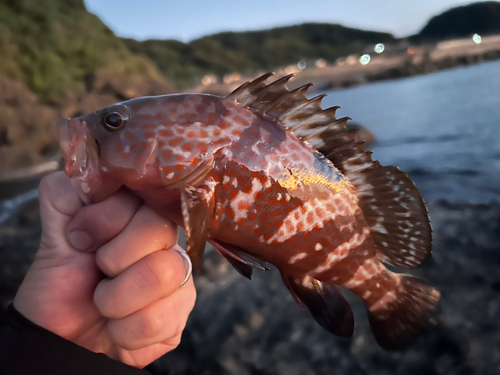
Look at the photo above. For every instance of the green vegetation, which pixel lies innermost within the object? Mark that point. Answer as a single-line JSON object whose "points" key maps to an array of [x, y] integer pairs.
{"points": [[52, 45], [249, 51], [482, 18]]}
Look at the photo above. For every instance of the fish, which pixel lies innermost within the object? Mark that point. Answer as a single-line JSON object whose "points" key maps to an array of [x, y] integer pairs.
{"points": [[267, 176]]}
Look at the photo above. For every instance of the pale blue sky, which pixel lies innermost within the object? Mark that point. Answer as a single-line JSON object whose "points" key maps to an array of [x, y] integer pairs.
{"points": [[189, 19]]}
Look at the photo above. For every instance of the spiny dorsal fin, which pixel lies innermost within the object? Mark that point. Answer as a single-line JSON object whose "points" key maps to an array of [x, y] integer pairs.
{"points": [[391, 203]]}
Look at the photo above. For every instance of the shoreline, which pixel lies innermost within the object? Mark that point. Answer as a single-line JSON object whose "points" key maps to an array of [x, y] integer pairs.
{"points": [[392, 64]]}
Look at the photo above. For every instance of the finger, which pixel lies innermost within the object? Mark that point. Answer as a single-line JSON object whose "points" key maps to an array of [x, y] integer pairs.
{"points": [[152, 278], [156, 323], [98, 223], [146, 233], [58, 204]]}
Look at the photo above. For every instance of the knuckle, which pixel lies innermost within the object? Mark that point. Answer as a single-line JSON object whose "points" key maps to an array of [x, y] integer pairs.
{"points": [[150, 324], [106, 263], [147, 277], [101, 300]]}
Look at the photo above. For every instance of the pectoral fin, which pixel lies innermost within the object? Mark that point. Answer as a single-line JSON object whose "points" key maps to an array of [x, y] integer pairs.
{"points": [[239, 259], [197, 209]]}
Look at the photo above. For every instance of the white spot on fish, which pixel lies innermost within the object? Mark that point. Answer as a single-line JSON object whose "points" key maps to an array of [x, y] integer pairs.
{"points": [[318, 247], [297, 257]]}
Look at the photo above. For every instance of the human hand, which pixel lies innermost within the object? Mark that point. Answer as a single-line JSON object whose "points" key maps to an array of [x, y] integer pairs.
{"points": [[102, 277]]}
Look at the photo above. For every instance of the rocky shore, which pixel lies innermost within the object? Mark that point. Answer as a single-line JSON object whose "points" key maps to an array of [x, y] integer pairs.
{"points": [[255, 327], [397, 62]]}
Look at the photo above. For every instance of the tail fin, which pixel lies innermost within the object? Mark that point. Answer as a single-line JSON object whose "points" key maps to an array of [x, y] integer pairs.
{"points": [[397, 323]]}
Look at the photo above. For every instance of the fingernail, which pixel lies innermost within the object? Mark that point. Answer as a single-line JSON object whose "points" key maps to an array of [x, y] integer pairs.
{"points": [[80, 240]]}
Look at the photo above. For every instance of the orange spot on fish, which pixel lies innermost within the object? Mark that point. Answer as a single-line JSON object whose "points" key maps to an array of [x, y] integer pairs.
{"points": [[175, 142], [241, 222], [229, 212], [236, 132], [179, 158], [166, 132], [179, 167], [224, 124], [243, 205], [191, 134], [251, 216], [249, 229], [124, 156], [168, 123], [211, 118], [300, 226], [149, 135], [167, 154], [187, 147], [119, 147], [193, 98], [310, 218], [215, 223], [167, 169], [179, 131], [233, 194], [161, 144], [185, 105], [263, 216], [200, 109], [217, 132], [241, 121], [202, 147], [172, 111], [159, 116], [130, 136], [289, 225], [203, 134], [195, 161], [319, 212]]}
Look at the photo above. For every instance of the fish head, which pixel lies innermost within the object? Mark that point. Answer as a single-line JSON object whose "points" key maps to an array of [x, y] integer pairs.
{"points": [[144, 143]]}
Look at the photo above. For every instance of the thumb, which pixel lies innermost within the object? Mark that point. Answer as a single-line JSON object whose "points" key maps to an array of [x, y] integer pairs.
{"points": [[59, 203]]}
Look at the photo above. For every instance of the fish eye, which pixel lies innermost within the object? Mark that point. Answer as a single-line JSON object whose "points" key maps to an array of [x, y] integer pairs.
{"points": [[114, 121]]}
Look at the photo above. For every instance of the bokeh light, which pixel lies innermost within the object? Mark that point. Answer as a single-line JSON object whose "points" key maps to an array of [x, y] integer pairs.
{"points": [[365, 59], [302, 64], [477, 38], [379, 47]]}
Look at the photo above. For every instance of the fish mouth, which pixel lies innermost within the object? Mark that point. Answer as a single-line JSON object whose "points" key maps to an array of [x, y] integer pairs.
{"points": [[78, 146]]}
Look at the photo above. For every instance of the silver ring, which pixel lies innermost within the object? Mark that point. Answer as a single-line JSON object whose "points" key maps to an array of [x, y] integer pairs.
{"points": [[188, 265]]}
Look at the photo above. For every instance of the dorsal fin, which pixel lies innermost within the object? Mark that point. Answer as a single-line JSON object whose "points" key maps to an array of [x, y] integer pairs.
{"points": [[392, 205]]}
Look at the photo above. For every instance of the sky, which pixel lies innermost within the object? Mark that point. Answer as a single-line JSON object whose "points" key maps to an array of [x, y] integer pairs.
{"points": [[190, 19]]}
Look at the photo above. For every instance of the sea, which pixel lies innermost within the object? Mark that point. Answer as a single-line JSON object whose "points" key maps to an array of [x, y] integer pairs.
{"points": [[443, 129]]}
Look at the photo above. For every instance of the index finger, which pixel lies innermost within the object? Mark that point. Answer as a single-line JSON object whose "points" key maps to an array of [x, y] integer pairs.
{"points": [[98, 223]]}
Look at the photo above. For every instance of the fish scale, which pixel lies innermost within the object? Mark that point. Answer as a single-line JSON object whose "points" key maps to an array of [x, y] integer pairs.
{"points": [[267, 175]]}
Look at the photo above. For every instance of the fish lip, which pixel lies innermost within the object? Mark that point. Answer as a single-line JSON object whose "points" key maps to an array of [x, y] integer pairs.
{"points": [[74, 139]]}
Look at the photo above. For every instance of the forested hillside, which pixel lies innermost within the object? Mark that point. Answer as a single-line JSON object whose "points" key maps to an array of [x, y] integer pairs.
{"points": [[482, 18], [52, 45], [249, 51]]}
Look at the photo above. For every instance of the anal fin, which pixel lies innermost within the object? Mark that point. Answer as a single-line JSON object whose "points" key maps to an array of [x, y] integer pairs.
{"points": [[326, 303], [243, 262], [197, 209]]}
